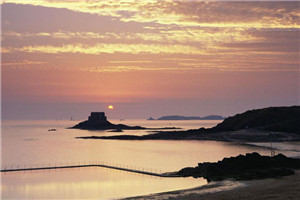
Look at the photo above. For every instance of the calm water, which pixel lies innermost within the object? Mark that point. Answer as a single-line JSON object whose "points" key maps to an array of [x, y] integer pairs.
{"points": [[29, 143]]}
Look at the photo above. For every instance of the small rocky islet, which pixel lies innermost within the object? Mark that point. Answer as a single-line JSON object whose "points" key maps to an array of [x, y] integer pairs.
{"points": [[98, 121]]}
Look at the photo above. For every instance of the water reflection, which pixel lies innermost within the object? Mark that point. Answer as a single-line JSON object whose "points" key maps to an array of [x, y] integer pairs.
{"points": [[89, 183], [29, 143]]}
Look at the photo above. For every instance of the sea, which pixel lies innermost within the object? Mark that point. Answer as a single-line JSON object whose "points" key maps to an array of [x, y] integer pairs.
{"points": [[27, 144]]}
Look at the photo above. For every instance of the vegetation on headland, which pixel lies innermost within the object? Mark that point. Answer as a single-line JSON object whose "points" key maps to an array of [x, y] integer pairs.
{"points": [[248, 167], [261, 125]]}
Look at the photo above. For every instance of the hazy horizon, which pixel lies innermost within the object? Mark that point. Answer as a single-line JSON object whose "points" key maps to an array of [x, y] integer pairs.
{"points": [[147, 58], [81, 112]]}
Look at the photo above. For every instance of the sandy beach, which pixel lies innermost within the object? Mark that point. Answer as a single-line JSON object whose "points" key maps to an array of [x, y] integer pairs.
{"points": [[276, 189]]}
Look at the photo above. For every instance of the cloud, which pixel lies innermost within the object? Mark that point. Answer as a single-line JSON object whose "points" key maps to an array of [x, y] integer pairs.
{"points": [[124, 68], [164, 36], [24, 62], [58, 35], [109, 48], [187, 13], [130, 61], [216, 35]]}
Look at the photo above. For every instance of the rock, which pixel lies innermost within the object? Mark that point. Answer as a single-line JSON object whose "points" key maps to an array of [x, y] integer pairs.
{"points": [[98, 121], [250, 166]]}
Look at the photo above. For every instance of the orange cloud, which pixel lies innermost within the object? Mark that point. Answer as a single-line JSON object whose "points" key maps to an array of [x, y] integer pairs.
{"points": [[110, 48], [60, 35], [187, 13], [24, 62]]}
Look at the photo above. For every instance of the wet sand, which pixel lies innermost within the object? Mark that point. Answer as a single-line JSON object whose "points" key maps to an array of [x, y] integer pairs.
{"points": [[287, 187]]}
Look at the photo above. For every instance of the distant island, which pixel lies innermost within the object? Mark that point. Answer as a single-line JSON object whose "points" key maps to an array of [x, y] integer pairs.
{"points": [[260, 125], [178, 117], [98, 121]]}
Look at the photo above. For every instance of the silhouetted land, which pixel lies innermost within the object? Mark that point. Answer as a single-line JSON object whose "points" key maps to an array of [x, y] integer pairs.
{"points": [[98, 121], [178, 117], [277, 119], [253, 125], [251, 166]]}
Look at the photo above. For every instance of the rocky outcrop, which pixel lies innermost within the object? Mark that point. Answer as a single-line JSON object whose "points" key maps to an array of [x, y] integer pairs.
{"points": [[98, 121], [248, 167]]}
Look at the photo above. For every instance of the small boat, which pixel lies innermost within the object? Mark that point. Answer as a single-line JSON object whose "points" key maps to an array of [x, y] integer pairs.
{"points": [[53, 129]]}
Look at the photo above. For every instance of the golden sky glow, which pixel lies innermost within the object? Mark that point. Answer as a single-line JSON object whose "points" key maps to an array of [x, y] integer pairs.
{"points": [[157, 51]]}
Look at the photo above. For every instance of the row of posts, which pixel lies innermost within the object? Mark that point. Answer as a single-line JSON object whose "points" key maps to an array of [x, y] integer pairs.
{"points": [[87, 164]]}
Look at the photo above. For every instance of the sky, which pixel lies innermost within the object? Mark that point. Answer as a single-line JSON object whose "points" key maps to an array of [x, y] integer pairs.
{"points": [[147, 58]]}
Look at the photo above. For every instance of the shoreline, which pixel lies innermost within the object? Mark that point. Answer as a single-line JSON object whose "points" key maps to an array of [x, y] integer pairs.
{"points": [[286, 187], [243, 136], [201, 190]]}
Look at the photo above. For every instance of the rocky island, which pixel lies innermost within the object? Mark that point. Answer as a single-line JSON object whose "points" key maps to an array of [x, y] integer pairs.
{"points": [[98, 121]]}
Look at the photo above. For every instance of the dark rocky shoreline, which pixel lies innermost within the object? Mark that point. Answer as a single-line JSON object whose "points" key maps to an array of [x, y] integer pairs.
{"points": [[249, 167], [248, 135]]}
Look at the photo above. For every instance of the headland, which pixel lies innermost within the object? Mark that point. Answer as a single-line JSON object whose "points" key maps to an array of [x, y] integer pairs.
{"points": [[262, 125]]}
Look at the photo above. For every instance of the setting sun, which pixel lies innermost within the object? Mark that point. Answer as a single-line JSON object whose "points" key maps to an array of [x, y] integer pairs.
{"points": [[110, 107], [193, 82]]}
